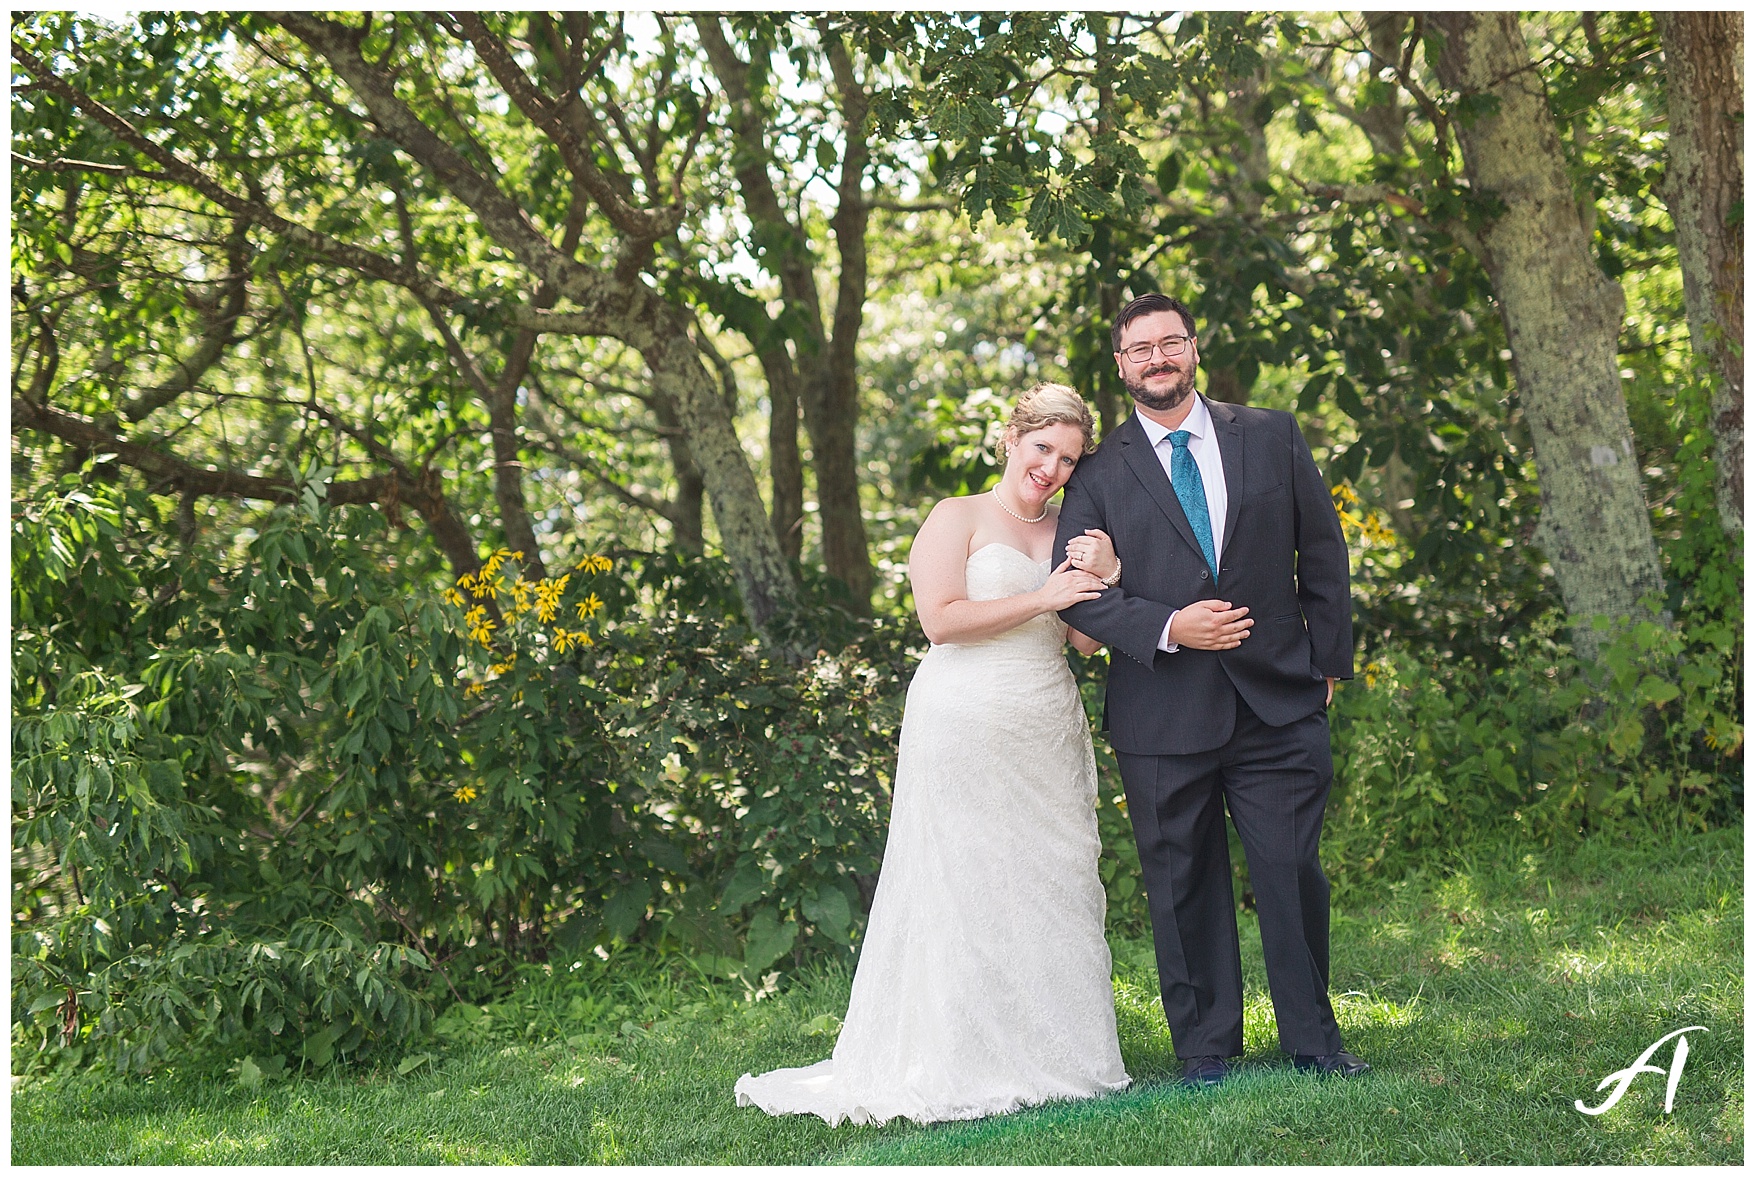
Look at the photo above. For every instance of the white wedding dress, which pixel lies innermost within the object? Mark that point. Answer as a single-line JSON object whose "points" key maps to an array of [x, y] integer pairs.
{"points": [[983, 984]]}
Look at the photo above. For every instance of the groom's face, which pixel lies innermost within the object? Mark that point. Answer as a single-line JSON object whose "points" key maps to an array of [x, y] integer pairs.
{"points": [[1159, 381]]}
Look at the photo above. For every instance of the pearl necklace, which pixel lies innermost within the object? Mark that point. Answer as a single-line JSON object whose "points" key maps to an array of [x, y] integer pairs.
{"points": [[1014, 514]]}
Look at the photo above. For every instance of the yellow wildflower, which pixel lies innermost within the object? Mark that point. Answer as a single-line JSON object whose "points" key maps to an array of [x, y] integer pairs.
{"points": [[453, 596], [548, 596], [589, 606], [464, 793], [595, 563], [475, 688], [488, 585], [480, 630], [562, 639]]}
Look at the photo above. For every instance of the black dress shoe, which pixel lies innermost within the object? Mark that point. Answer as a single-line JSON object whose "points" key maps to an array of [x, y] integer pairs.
{"points": [[1207, 1070], [1340, 1064]]}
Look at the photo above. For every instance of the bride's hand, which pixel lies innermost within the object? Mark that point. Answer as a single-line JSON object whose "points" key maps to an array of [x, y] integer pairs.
{"points": [[1068, 586], [1093, 552]]}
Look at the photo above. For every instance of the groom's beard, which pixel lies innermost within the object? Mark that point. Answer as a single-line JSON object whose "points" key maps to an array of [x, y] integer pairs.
{"points": [[1171, 396]]}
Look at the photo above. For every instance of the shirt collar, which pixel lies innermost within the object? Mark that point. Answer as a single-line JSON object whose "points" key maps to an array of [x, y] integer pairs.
{"points": [[1198, 423]]}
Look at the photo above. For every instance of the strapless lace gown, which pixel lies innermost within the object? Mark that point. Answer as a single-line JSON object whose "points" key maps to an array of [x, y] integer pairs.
{"points": [[983, 984]]}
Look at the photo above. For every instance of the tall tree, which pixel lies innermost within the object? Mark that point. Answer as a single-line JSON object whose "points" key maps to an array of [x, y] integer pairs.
{"points": [[808, 351], [1562, 317], [1703, 186]]}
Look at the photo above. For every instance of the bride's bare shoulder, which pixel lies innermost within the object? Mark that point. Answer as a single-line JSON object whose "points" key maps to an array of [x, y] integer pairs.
{"points": [[957, 509], [948, 527]]}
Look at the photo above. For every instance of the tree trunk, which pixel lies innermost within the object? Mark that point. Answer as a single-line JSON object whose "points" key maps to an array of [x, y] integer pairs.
{"points": [[1703, 185], [845, 552], [764, 579], [824, 367], [832, 423], [508, 464], [785, 466], [686, 523], [1563, 318], [1224, 384]]}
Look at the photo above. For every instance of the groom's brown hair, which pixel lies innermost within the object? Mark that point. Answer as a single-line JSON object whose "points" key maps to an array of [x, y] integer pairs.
{"points": [[1149, 304]]}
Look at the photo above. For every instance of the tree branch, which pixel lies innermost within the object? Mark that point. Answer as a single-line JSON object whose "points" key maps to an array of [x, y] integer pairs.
{"points": [[343, 254], [499, 214], [421, 491], [81, 165], [549, 441], [613, 199], [221, 333]]}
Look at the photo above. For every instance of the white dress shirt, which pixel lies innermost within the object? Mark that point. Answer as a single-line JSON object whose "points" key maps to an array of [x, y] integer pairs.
{"points": [[1204, 447]]}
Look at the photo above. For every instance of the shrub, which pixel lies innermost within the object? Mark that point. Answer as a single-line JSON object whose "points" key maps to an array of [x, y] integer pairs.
{"points": [[283, 799]]}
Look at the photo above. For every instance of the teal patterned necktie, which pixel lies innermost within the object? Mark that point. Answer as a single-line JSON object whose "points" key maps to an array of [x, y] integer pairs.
{"points": [[1191, 492]]}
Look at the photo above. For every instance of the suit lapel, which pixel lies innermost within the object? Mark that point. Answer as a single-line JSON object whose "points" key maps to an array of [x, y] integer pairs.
{"points": [[1136, 451], [1230, 437]]}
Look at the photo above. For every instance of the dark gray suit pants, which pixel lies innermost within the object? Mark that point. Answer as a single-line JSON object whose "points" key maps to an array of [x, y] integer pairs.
{"points": [[1275, 783]]}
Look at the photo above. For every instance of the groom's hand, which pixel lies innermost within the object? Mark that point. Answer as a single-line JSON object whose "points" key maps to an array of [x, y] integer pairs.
{"points": [[1210, 625]]}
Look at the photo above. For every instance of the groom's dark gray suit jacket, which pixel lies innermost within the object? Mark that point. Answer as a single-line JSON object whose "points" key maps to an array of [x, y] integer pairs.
{"points": [[1284, 558]]}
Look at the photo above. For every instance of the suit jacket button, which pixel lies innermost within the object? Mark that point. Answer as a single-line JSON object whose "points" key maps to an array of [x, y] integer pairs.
{"points": [[1203, 574]]}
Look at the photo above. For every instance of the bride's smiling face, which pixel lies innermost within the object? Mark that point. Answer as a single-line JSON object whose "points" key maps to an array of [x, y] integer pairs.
{"points": [[1038, 463]]}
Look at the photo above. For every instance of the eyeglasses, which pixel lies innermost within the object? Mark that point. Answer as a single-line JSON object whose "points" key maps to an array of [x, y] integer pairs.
{"points": [[1171, 345]]}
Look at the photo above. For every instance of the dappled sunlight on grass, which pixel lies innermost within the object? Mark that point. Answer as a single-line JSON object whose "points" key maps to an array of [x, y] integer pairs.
{"points": [[1485, 1004]]}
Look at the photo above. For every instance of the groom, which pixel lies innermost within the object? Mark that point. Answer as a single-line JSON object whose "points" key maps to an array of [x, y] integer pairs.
{"points": [[1230, 623]]}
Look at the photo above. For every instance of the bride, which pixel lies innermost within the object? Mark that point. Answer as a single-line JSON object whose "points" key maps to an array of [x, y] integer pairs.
{"points": [[983, 985]]}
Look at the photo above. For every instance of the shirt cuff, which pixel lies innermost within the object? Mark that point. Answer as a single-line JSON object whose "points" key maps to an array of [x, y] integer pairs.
{"points": [[1164, 643]]}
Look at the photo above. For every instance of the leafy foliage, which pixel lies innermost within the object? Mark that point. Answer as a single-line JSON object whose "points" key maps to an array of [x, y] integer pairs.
{"points": [[282, 800]]}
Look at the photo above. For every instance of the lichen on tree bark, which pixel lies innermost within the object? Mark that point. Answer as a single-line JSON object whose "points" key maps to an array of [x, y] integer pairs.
{"points": [[1563, 318]]}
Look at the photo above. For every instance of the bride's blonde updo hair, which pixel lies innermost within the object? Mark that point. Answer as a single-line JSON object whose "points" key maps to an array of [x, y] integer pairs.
{"points": [[1049, 404]]}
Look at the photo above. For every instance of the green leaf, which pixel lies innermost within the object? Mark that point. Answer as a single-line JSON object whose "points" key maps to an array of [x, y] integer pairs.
{"points": [[1657, 690], [413, 1062], [1311, 394], [665, 856], [746, 884], [823, 1026], [319, 1048], [626, 908], [1347, 399], [828, 910], [768, 939], [1627, 736], [249, 1074]]}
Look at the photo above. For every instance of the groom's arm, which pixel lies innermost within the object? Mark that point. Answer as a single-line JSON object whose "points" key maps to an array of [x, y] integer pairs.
{"points": [[1322, 573], [1116, 618]]}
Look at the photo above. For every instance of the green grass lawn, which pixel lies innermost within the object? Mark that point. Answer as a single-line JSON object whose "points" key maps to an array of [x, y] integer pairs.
{"points": [[1488, 996]]}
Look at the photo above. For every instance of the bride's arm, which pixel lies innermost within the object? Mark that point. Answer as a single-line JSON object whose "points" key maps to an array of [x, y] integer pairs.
{"points": [[1081, 643], [941, 596]]}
